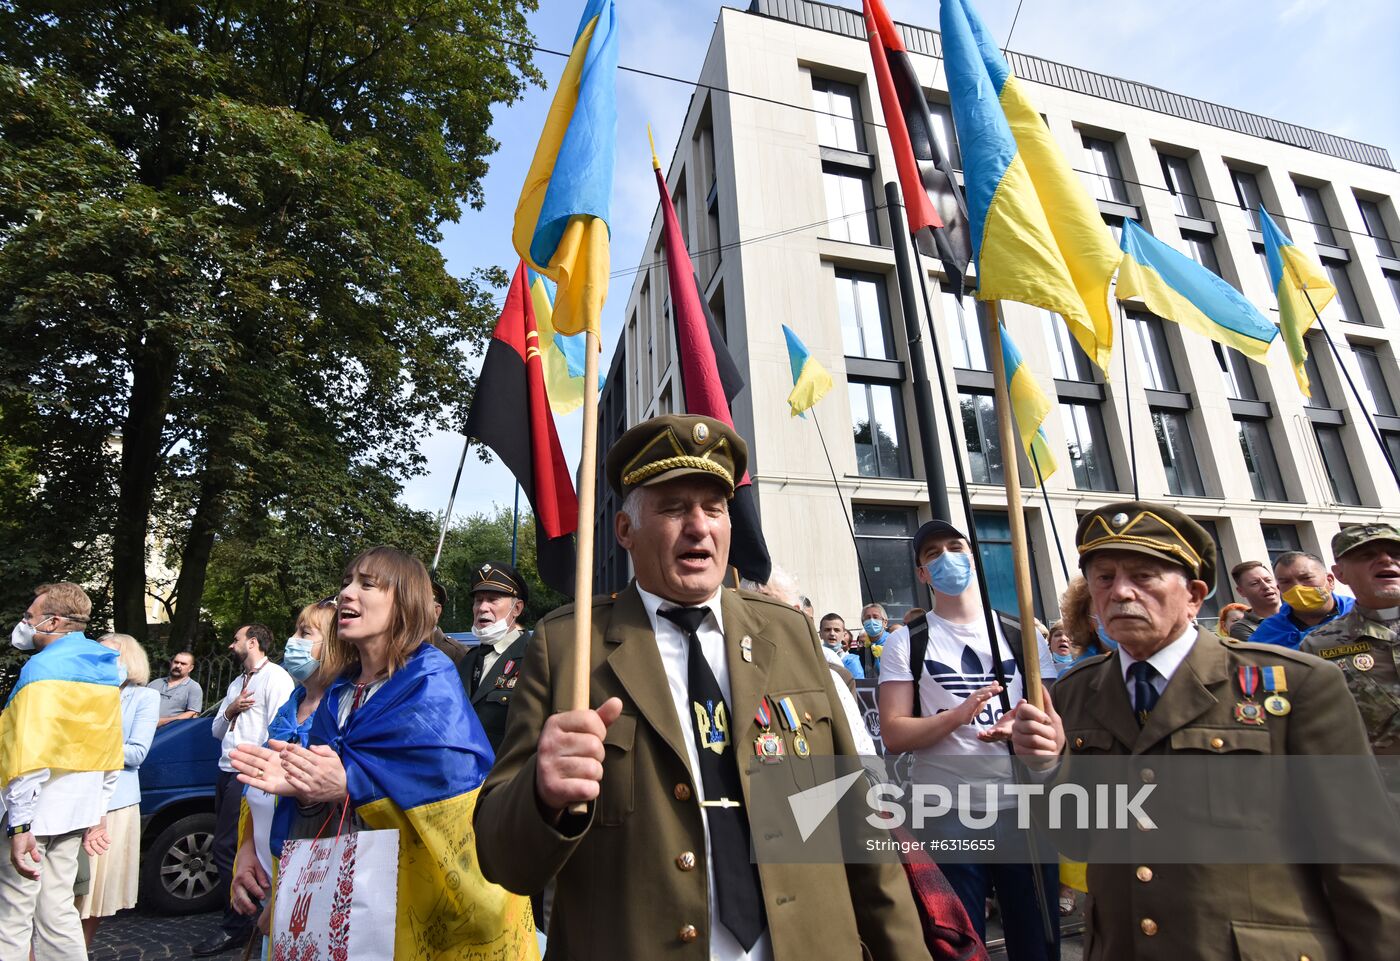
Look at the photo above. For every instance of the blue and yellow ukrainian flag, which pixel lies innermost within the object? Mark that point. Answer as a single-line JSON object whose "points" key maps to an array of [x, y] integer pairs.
{"points": [[1296, 281], [415, 756], [561, 222], [810, 381], [64, 712], [1175, 287], [1030, 405], [562, 356], [1037, 236]]}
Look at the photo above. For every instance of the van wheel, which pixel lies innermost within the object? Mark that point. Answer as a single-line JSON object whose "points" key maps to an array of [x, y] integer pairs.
{"points": [[178, 875]]}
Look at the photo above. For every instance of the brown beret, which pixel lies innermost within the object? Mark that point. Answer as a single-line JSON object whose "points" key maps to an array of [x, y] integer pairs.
{"points": [[676, 445], [1152, 529]]}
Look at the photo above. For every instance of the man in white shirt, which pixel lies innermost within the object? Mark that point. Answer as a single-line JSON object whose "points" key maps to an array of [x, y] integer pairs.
{"points": [[253, 699], [956, 719], [50, 812]]}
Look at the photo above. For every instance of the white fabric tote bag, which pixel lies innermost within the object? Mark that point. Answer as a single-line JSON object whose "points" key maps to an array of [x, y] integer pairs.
{"points": [[337, 898]]}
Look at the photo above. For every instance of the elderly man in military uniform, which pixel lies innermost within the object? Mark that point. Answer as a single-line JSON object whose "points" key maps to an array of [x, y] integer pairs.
{"points": [[491, 669], [1172, 688], [687, 680], [1365, 643]]}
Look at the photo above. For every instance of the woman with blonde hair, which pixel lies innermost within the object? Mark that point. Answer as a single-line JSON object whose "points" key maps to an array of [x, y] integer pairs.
{"points": [[114, 845], [395, 745], [269, 822]]}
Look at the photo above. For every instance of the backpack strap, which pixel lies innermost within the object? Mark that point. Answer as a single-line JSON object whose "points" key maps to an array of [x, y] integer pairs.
{"points": [[918, 647]]}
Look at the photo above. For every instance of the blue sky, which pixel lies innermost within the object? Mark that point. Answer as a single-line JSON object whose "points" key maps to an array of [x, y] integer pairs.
{"points": [[1310, 62]]}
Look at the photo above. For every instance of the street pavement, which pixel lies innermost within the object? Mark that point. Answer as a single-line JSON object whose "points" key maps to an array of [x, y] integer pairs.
{"points": [[139, 935]]}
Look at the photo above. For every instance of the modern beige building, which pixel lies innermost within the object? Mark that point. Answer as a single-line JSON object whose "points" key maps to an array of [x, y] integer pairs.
{"points": [[777, 176]]}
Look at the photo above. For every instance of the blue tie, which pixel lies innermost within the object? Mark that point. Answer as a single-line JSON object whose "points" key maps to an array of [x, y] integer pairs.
{"points": [[1145, 693]]}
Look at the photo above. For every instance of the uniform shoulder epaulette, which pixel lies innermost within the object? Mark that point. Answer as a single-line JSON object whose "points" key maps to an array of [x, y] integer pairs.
{"points": [[567, 610], [1273, 651]]}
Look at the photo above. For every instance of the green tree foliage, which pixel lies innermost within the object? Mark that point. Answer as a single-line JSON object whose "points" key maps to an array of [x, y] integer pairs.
{"points": [[485, 538], [224, 313]]}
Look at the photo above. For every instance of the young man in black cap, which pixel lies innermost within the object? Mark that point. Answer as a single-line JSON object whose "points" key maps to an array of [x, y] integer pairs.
{"points": [[953, 726], [491, 669]]}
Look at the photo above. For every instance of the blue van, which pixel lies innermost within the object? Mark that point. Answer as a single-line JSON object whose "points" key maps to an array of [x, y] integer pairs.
{"points": [[178, 779]]}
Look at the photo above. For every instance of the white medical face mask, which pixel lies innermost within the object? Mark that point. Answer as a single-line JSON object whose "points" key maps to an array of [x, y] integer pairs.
{"points": [[493, 631], [22, 637]]}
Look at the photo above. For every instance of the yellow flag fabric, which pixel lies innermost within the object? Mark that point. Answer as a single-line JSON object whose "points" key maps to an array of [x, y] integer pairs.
{"points": [[1303, 290], [1030, 405], [61, 724], [447, 910]]}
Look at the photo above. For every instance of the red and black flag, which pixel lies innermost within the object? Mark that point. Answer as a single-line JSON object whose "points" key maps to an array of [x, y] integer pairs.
{"points": [[711, 380], [933, 201], [511, 384]]}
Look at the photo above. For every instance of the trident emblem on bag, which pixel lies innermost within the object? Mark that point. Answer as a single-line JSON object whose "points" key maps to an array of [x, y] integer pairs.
{"points": [[302, 907]]}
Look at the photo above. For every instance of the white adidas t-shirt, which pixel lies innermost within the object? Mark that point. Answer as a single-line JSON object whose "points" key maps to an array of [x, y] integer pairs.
{"points": [[958, 661]]}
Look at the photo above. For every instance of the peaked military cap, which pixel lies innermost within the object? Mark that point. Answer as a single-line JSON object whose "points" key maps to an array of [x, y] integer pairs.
{"points": [[676, 445], [1152, 529], [1350, 538], [501, 578]]}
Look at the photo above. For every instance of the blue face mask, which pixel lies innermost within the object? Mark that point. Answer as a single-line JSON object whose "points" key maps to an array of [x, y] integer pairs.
{"points": [[1059, 658], [874, 627], [1108, 643], [298, 660], [950, 572], [121, 674]]}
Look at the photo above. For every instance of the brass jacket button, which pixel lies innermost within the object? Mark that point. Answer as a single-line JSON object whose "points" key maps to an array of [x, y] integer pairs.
{"points": [[681, 791], [1144, 874], [1149, 927], [686, 860], [1078, 743], [1217, 743], [1148, 776], [688, 933]]}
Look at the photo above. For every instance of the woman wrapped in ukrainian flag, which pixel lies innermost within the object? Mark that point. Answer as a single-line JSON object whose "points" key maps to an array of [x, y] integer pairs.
{"points": [[396, 734]]}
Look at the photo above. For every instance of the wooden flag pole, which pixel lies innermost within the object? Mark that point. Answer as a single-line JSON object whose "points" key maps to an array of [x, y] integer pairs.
{"points": [[1020, 560], [583, 559]]}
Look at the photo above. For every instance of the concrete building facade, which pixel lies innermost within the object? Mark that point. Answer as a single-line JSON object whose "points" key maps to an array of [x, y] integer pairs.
{"points": [[778, 180]]}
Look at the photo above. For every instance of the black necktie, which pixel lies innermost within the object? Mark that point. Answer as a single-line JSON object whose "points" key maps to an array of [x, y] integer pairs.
{"points": [[1145, 693], [738, 894]]}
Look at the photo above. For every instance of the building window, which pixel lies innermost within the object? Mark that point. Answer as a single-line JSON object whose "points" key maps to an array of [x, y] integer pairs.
{"points": [[1087, 442], [1201, 249], [885, 548], [1210, 607], [1066, 357], [965, 330], [1316, 385], [1375, 226], [865, 315], [979, 423], [1317, 214], [1382, 401], [1392, 445], [1234, 368], [1340, 277], [1259, 459], [1156, 360], [850, 206], [1177, 171], [838, 115], [994, 561], [945, 133], [1280, 539], [877, 422], [1334, 461], [1268, 277], [1393, 279], [1178, 453], [681, 202], [1108, 175], [1248, 194]]}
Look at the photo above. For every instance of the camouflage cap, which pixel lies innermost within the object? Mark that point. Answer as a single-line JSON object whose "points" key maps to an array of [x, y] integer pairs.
{"points": [[676, 445], [1152, 529], [1350, 538]]}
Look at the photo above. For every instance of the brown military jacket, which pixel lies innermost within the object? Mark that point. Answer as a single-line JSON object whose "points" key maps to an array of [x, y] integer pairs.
{"points": [[1366, 646], [632, 880], [1227, 912]]}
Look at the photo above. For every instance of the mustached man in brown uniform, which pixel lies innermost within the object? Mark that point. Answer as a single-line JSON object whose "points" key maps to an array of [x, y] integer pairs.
{"points": [[1172, 688], [659, 865]]}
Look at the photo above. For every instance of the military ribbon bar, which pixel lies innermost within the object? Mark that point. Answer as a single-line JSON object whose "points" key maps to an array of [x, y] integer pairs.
{"points": [[1249, 680], [1275, 681]]}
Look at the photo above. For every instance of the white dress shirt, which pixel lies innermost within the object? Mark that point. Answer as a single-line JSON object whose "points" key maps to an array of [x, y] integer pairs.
{"points": [[1165, 661], [270, 686], [496, 648], [674, 647]]}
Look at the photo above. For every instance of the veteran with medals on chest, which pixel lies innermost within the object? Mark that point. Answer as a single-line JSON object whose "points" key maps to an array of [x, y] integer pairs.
{"points": [[1172, 688], [490, 671], [688, 682]]}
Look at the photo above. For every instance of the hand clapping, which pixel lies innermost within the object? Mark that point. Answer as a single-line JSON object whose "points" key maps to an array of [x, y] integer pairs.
{"points": [[310, 775]]}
